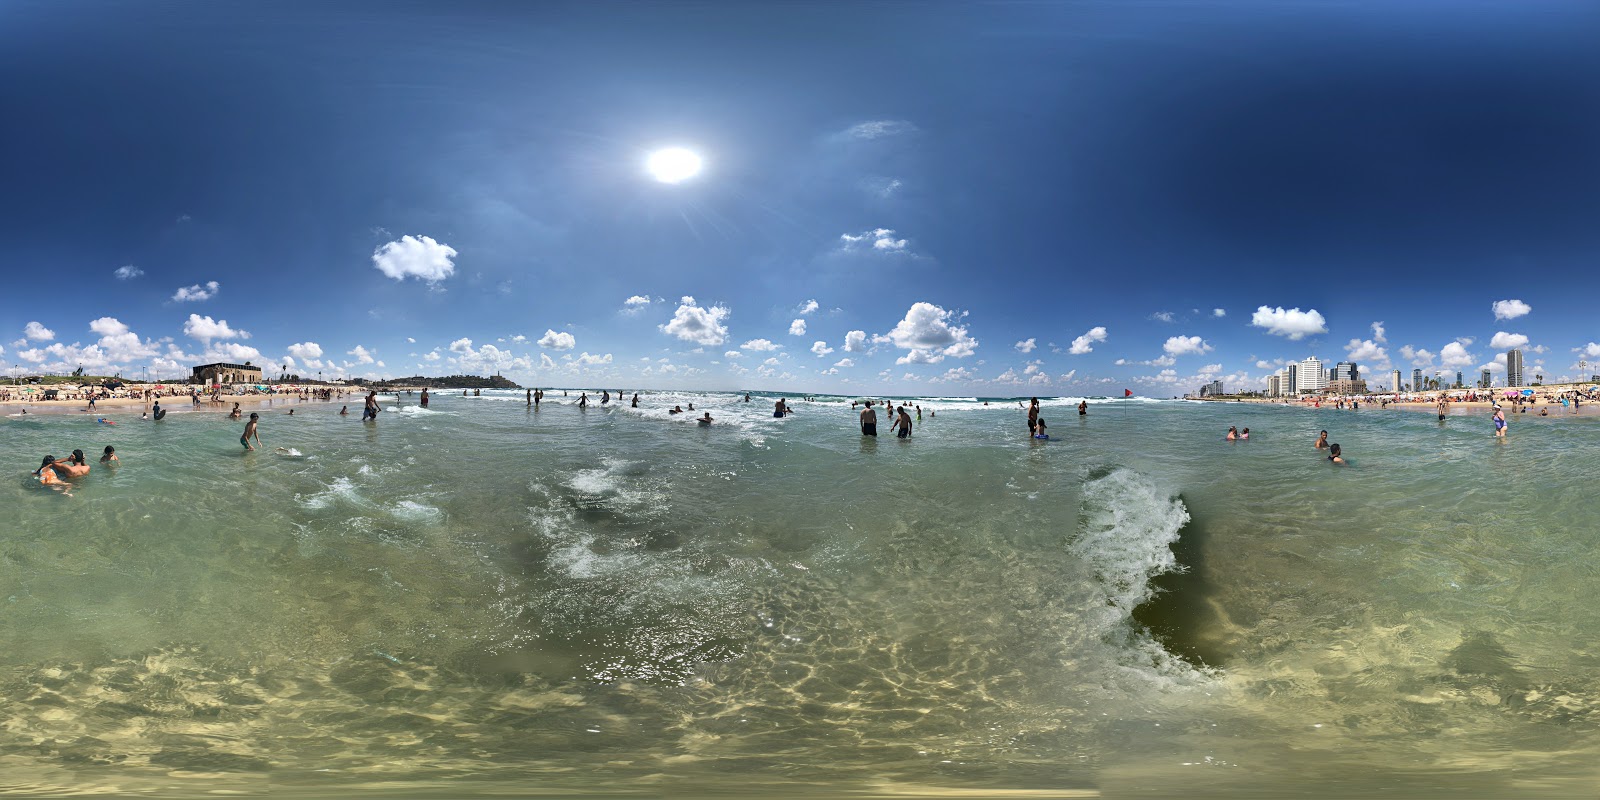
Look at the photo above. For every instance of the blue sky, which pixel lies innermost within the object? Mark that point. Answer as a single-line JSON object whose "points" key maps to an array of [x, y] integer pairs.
{"points": [[1012, 198]]}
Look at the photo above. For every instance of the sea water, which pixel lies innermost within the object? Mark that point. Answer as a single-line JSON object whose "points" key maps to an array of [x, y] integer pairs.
{"points": [[478, 597]]}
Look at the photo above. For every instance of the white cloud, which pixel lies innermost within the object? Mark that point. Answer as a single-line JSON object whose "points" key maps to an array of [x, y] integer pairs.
{"points": [[1293, 323], [127, 272], [1378, 332], [1507, 341], [206, 329], [231, 352], [1069, 375], [635, 304], [593, 360], [361, 354], [557, 340], [197, 292], [703, 326], [929, 334], [1219, 312], [1366, 351], [38, 333], [1026, 345], [820, 349], [845, 363], [432, 355], [1510, 309], [879, 239], [1455, 354], [797, 328], [808, 307], [1163, 316], [546, 362], [1085, 343], [760, 344], [519, 339], [1590, 350], [415, 257], [1183, 345], [878, 129], [855, 342], [1417, 356], [733, 354], [1210, 369]]}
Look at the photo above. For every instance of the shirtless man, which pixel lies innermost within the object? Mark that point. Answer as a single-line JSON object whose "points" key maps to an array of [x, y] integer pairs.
{"points": [[251, 431], [903, 424], [424, 398], [530, 397], [1083, 408], [583, 400], [1033, 414], [538, 394], [635, 399], [1322, 441], [705, 420], [75, 466], [605, 396], [869, 420], [780, 408]]}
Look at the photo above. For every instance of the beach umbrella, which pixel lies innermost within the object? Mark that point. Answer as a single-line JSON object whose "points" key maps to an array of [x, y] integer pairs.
{"points": [[1511, 393], [1527, 392]]}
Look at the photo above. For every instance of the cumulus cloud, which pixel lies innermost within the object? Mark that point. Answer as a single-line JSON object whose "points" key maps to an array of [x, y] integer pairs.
{"points": [[197, 292], [1507, 341], [855, 342], [845, 363], [808, 307], [1510, 309], [1184, 345], [1085, 343], [1026, 345], [733, 354], [1293, 323], [635, 304], [231, 352], [879, 239], [1455, 354], [880, 128], [361, 354], [1219, 312], [1417, 356], [930, 334], [1590, 350], [557, 340], [1163, 316], [127, 272], [797, 328], [415, 257], [703, 326], [1377, 333], [1367, 351], [820, 349], [760, 344], [206, 329], [37, 332], [592, 360]]}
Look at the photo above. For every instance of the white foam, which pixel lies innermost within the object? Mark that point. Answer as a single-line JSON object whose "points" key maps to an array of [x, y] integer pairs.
{"points": [[412, 510]]}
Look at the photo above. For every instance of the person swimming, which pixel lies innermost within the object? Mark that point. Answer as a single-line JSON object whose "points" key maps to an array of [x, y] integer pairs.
{"points": [[1334, 454], [109, 456], [1322, 440], [1233, 433], [1244, 434], [675, 410], [705, 420], [344, 411]]}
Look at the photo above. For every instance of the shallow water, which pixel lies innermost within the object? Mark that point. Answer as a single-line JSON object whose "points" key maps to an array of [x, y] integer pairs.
{"points": [[478, 598]]}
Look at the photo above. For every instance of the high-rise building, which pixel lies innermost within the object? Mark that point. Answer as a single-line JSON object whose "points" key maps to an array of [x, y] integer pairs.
{"points": [[1397, 386], [1459, 383], [1346, 371], [1291, 380], [1487, 380], [1514, 367], [1274, 386], [1312, 377], [1416, 381]]}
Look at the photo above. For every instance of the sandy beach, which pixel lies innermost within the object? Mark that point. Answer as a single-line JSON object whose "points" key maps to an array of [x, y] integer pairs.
{"points": [[129, 399]]}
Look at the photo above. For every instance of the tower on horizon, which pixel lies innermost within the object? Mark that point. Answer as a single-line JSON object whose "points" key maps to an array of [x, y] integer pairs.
{"points": [[1514, 367]]}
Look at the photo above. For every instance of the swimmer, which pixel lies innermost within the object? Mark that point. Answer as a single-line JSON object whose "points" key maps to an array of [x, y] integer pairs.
{"points": [[1039, 428], [250, 429], [104, 421], [903, 424], [235, 413], [345, 411], [691, 406], [1544, 412], [1334, 454], [1322, 440], [605, 396], [1233, 433], [635, 399], [1244, 434], [780, 408], [869, 420], [675, 410], [424, 398], [705, 420], [1083, 408], [291, 412], [76, 466], [47, 471], [110, 455], [583, 400]]}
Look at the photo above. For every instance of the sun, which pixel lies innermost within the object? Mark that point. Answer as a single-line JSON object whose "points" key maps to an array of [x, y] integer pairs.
{"points": [[673, 165]]}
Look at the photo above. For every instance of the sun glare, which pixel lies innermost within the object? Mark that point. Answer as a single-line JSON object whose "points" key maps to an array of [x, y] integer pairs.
{"points": [[673, 165]]}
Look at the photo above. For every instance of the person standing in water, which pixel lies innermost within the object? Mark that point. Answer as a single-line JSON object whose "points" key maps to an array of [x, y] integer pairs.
{"points": [[530, 398], [1083, 408], [1499, 422], [424, 398], [1033, 415], [780, 408], [538, 395], [251, 431], [1322, 441], [583, 400], [605, 396], [869, 420], [635, 399], [903, 424]]}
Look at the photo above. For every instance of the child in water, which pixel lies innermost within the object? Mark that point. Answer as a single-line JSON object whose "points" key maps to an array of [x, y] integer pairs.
{"points": [[1233, 433], [110, 456], [1244, 434], [1038, 429]]}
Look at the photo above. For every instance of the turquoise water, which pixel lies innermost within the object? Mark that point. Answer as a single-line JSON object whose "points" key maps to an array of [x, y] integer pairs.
{"points": [[478, 598]]}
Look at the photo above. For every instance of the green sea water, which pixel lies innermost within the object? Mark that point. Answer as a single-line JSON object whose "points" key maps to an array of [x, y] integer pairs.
{"points": [[482, 599]]}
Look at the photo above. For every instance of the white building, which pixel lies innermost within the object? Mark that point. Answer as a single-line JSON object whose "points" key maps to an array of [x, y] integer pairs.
{"points": [[1313, 377], [1514, 368]]}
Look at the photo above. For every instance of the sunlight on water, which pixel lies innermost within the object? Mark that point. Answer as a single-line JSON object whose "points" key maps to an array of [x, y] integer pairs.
{"points": [[617, 599]]}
